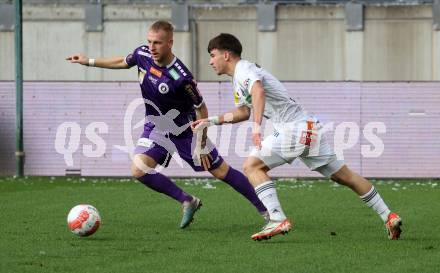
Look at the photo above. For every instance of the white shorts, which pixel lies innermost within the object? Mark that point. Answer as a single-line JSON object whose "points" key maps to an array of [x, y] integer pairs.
{"points": [[303, 139]]}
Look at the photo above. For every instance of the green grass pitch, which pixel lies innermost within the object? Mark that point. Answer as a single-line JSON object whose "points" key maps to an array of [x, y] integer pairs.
{"points": [[334, 231]]}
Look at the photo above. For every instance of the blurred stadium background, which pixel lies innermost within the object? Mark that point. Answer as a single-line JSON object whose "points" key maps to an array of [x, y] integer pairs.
{"points": [[346, 61]]}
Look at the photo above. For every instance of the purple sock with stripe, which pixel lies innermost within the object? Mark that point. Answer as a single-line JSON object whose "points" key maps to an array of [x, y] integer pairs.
{"points": [[163, 184], [240, 183]]}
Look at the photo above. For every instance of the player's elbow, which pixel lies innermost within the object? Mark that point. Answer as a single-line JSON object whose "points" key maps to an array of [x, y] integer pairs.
{"points": [[243, 116], [246, 113], [201, 107], [120, 63], [201, 110], [123, 65]]}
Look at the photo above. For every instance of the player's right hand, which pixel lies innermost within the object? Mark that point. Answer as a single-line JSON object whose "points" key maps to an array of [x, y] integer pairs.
{"points": [[78, 58], [256, 139], [200, 124]]}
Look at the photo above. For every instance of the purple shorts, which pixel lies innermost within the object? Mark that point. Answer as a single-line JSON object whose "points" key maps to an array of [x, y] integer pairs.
{"points": [[161, 147]]}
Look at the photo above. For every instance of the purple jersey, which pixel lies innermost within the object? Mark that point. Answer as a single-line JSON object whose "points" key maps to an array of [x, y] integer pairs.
{"points": [[170, 87]]}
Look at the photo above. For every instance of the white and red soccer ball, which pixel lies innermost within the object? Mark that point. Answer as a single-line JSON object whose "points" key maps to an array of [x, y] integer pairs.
{"points": [[83, 220]]}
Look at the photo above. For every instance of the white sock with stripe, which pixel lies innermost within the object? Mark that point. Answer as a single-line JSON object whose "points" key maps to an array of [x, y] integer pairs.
{"points": [[373, 200], [267, 193]]}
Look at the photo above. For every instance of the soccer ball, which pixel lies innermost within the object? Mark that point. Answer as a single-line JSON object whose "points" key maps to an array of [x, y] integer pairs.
{"points": [[83, 220]]}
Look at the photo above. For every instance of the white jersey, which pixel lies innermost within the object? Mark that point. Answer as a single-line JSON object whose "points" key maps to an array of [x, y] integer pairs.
{"points": [[279, 107], [298, 134]]}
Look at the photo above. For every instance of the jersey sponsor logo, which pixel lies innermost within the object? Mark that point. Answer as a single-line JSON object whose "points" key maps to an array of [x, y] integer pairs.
{"points": [[174, 74], [152, 79], [155, 72], [163, 88], [179, 67], [144, 54]]}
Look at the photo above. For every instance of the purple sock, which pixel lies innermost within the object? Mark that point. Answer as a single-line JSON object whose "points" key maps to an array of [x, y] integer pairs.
{"points": [[240, 183], [163, 184]]}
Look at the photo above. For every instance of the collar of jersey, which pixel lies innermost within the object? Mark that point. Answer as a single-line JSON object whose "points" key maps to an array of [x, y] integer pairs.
{"points": [[167, 66]]}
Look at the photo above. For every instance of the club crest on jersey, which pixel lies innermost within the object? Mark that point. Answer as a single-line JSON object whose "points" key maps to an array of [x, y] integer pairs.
{"points": [[155, 72], [246, 83], [163, 88]]}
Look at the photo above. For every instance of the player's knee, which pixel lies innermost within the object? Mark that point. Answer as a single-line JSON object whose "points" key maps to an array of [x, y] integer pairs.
{"points": [[142, 165], [221, 171], [344, 176], [249, 167], [136, 172]]}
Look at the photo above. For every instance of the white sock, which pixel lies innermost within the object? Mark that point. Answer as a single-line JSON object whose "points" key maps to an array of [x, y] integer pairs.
{"points": [[373, 200], [267, 193]]}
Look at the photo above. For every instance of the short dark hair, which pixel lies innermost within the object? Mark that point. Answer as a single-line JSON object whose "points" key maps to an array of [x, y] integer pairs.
{"points": [[225, 41]]}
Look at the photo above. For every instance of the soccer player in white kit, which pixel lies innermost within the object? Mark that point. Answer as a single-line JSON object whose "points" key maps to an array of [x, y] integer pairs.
{"points": [[297, 135]]}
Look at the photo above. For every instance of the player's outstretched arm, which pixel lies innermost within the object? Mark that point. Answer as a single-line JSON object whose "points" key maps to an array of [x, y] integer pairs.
{"points": [[239, 114], [112, 62]]}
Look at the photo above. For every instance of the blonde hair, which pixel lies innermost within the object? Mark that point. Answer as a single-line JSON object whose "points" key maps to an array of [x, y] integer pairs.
{"points": [[162, 25]]}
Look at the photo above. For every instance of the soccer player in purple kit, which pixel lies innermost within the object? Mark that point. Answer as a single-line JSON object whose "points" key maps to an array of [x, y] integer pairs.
{"points": [[172, 102]]}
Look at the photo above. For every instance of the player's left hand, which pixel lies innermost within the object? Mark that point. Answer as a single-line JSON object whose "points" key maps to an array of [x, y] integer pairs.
{"points": [[256, 139]]}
